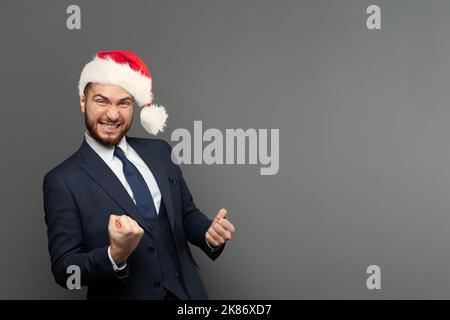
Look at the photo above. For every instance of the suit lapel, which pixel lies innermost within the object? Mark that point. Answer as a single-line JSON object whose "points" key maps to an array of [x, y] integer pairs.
{"points": [[153, 161], [108, 181]]}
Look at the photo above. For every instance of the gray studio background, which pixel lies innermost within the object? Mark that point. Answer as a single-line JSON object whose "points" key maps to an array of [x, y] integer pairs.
{"points": [[364, 136]]}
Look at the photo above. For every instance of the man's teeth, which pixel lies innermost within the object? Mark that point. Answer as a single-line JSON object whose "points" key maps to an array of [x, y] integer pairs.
{"points": [[110, 126]]}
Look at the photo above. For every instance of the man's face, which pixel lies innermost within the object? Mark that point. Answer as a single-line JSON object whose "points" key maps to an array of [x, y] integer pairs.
{"points": [[108, 112]]}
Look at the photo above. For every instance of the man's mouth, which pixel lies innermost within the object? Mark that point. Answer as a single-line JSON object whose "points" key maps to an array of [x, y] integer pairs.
{"points": [[110, 127]]}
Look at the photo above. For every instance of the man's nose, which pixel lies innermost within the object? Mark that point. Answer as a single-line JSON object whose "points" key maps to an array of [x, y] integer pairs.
{"points": [[113, 113]]}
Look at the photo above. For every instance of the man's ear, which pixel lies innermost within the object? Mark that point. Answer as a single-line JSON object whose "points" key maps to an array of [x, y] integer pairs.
{"points": [[83, 103]]}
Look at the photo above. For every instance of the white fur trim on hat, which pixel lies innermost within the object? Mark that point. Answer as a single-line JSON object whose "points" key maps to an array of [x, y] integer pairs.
{"points": [[153, 118], [107, 71]]}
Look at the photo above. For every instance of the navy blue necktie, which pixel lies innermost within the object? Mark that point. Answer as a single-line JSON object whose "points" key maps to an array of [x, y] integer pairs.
{"points": [[142, 195]]}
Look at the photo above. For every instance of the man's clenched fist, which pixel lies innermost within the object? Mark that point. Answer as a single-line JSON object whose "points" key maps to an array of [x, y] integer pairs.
{"points": [[124, 236], [221, 230]]}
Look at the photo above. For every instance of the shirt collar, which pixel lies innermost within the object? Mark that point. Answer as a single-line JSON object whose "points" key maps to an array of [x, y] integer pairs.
{"points": [[106, 153]]}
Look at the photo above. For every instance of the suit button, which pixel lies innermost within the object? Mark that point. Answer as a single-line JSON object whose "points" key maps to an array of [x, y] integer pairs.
{"points": [[157, 284], [177, 275], [151, 249]]}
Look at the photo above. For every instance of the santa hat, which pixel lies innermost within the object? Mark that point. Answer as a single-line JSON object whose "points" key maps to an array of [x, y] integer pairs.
{"points": [[127, 70]]}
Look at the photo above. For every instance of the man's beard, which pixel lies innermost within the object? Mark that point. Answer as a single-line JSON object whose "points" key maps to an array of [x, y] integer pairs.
{"points": [[110, 141]]}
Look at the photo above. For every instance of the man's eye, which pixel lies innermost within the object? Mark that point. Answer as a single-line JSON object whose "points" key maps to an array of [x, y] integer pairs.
{"points": [[125, 103], [100, 101]]}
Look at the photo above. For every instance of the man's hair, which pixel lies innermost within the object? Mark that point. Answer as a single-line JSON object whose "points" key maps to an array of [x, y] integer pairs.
{"points": [[86, 89]]}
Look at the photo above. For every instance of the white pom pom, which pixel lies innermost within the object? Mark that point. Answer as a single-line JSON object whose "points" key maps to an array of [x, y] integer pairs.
{"points": [[153, 118]]}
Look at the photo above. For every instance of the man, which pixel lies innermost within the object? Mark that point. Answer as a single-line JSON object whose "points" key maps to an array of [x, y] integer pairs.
{"points": [[119, 209]]}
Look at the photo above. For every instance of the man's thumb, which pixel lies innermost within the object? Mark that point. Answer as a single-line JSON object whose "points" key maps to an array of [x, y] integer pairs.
{"points": [[222, 214]]}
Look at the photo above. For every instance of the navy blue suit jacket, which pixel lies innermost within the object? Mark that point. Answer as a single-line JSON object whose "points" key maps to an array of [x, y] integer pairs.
{"points": [[79, 196]]}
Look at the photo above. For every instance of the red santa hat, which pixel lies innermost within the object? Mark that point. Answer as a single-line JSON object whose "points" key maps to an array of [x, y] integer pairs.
{"points": [[127, 70]]}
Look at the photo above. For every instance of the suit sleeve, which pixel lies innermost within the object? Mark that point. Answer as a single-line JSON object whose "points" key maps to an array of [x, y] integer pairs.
{"points": [[65, 239], [195, 222]]}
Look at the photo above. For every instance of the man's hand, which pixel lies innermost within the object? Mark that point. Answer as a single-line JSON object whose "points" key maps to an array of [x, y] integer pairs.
{"points": [[124, 236], [220, 231]]}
